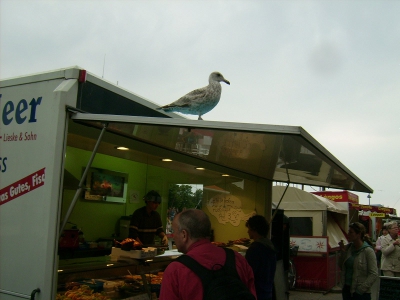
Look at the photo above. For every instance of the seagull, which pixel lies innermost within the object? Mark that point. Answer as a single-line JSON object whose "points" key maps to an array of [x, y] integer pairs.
{"points": [[199, 101]]}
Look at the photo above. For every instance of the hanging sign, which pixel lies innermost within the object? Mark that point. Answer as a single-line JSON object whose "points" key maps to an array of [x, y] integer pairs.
{"points": [[377, 215], [373, 208], [228, 209], [310, 243], [343, 196]]}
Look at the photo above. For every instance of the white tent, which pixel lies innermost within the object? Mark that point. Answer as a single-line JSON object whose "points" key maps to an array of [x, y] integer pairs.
{"points": [[328, 218]]}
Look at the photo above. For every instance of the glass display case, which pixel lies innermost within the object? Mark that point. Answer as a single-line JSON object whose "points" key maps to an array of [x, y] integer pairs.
{"points": [[112, 278]]}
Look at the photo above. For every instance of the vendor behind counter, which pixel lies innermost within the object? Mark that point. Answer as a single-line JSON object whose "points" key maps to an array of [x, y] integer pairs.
{"points": [[146, 221]]}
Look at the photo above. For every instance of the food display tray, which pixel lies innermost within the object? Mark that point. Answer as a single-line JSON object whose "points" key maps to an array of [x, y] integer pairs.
{"points": [[117, 253]]}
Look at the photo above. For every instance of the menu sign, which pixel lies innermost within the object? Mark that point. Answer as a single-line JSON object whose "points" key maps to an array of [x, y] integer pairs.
{"points": [[227, 209]]}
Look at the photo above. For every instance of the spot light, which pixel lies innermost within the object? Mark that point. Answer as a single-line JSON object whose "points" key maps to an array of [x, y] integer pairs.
{"points": [[200, 168], [122, 148], [166, 159]]}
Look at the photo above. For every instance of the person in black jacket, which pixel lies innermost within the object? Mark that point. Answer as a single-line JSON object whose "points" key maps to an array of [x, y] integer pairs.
{"points": [[261, 256], [146, 221]]}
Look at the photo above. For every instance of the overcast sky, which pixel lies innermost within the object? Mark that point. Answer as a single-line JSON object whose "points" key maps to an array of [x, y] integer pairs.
{"points": [[331, 67]]}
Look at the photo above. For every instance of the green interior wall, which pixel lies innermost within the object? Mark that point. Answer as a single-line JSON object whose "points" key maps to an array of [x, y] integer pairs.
{"points": [[99, 219]]}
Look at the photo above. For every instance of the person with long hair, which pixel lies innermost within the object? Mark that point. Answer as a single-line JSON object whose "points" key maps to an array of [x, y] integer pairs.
{"points": [[358, 265], [391, 251]]}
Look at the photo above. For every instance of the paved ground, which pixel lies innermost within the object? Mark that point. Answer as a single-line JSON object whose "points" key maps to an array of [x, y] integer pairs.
{"points": [[334, 294], [309, 295]]}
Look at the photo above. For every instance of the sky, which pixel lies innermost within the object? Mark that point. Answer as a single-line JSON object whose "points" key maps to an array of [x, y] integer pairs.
{"points": [[331, 67]]}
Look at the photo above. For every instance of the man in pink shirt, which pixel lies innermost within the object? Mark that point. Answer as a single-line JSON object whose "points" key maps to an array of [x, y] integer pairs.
{"points": [[191, 230]]}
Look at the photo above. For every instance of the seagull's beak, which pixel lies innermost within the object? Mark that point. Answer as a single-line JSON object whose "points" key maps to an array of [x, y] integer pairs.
{"points": [[226, 81]]}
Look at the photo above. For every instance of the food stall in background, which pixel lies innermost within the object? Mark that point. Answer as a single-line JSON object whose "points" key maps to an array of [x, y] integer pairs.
{"points": [[67, 188], [372, 216], [317, 225]]}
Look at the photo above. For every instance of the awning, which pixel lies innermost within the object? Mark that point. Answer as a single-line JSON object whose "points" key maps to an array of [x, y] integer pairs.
{"points": [[296, 200], [373, 208], [276, 153]]}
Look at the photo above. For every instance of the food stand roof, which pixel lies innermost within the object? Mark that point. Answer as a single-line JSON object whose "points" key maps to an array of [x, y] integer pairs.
{"points": [[298, 200], [272, 152]]}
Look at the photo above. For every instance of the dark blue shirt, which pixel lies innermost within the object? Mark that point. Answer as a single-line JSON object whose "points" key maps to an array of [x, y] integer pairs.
{"points": [[261, 256]]}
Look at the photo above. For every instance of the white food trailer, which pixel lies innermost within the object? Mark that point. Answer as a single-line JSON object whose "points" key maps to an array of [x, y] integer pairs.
{"points": [[47, 118]]}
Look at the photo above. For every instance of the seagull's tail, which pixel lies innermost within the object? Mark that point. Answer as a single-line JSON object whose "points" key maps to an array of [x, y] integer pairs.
{"points": [[166, 108]]}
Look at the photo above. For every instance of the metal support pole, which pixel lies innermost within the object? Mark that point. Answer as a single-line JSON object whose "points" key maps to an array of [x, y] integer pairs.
{"points": [[80, 186], [279, 203]]}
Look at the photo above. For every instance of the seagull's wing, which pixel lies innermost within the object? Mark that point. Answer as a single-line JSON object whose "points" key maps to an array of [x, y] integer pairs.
{"points": [[188, 99]]}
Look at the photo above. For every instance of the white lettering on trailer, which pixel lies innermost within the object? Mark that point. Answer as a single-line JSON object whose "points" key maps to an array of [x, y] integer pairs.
{"points": [[14, 191], [22, 186], [4, 196], [37, 179]]}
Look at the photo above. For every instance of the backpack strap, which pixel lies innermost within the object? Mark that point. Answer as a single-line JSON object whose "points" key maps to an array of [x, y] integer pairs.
{"points": [[203, 272], [230, 263]]}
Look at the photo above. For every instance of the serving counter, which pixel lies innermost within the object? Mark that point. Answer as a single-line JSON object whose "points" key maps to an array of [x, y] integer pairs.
{"points": [[102, 272]]}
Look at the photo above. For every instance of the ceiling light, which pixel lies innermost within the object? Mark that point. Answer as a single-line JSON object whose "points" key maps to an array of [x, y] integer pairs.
{"points": [[122, 148], [200, 168], [225, 175], [166, 159]]}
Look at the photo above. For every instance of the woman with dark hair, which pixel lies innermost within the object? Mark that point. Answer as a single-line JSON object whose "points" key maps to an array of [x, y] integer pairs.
{"points": [[261, 256], [358, 265]]}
